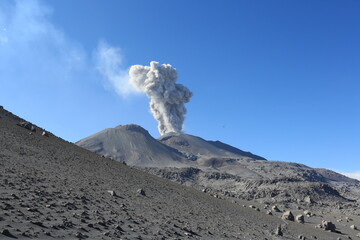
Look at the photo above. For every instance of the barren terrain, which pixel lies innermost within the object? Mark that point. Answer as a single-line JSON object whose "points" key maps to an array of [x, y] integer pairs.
{"points": [[53, 189]]}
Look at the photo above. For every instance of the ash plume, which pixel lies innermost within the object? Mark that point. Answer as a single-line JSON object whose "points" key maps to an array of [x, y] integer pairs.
{"points": [[167, 98]]}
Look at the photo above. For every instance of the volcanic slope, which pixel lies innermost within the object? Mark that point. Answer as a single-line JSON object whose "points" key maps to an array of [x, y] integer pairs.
{"points": [[221, 169], [134, 145], [197, 148], [53, 189]]}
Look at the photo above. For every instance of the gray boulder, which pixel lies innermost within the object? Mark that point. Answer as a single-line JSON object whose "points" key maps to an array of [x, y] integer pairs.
{"points": [[288, 216], [328, 226], [299, 218]]}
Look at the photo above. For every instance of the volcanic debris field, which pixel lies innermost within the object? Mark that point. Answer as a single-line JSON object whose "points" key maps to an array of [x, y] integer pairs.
{"points": [[53, 189]]}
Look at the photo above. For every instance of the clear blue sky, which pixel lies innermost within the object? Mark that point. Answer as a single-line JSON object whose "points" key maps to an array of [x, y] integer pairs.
{"points": [[278, 78]]}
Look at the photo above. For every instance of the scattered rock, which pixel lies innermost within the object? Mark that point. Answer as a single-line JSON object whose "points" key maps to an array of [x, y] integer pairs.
{"points": [[118, 228], [278, 231], [328, 226], [308, 199], [141, 191], [307, 213], [14, 196], [252, 206], [288, 216], [112, 193], [6, 232], [80, 235], [275, 208], [40, 224], [301, 237], [353, 227], [187, 234], [269, 212], [27, 126], [299, 218], [32, 209]]}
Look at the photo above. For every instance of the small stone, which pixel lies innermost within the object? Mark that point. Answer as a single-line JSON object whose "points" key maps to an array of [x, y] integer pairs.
{"points": [[6, 232], [141, 191], [32, 209], [112, 193], [328, 226], [301, 237], [252, 206], [275, 208], [288, 216], [299, 218], [307, 213], [79, 235], [353, 227], [40, 224], [117, 227], [14, 196], [278, 231], [45, 134], [269, 212], [308, 199]]}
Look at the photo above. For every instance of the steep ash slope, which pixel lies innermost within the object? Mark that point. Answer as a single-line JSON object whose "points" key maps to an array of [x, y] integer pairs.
{"points": [[52, 189], [133, 144]]}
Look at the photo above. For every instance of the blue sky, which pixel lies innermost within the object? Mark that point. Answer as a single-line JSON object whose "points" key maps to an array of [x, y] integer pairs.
{"points": [[278, 78]]}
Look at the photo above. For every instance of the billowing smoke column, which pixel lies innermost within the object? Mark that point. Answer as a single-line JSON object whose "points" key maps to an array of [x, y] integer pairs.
{"points": [[167, 98]]}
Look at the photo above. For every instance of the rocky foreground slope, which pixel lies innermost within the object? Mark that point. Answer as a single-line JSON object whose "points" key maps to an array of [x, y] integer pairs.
{"points": [[53, 189]]}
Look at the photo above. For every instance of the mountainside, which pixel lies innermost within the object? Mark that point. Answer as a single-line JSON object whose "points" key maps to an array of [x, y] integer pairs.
{"points": [[226, 170], [52, 189], [197, 148], [134, 145]]}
